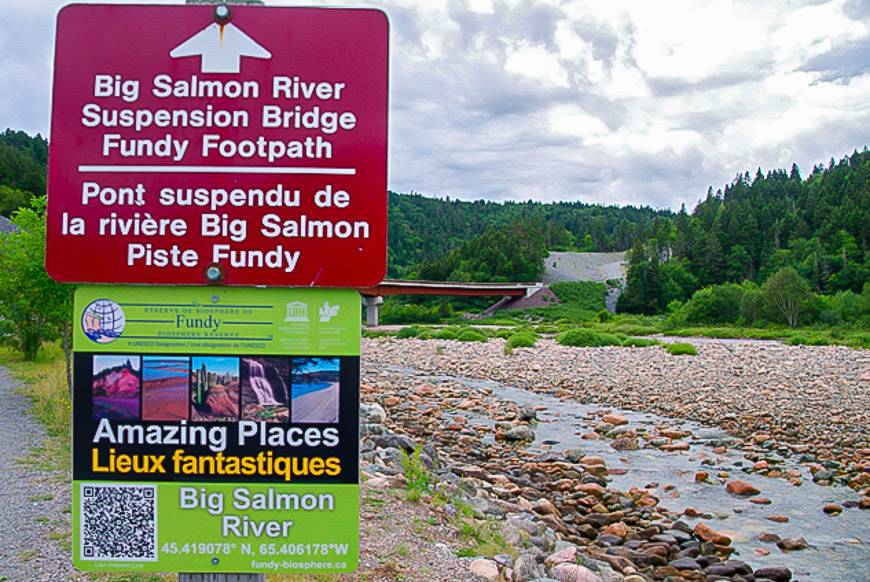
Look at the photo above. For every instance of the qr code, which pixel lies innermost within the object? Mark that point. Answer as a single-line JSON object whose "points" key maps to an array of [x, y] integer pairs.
{"points": [[118, 522]]}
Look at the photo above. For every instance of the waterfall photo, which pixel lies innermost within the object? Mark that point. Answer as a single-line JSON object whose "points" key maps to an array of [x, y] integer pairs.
{"points": [[214, 389], [264, 389]]}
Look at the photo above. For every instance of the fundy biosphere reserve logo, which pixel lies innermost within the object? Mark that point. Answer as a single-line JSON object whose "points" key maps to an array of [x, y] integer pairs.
{"points": [[103, 321]]}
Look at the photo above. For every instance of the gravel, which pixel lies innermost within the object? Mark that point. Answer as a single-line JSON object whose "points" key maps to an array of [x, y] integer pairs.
{"points": [[33, 501], [814, 400]]}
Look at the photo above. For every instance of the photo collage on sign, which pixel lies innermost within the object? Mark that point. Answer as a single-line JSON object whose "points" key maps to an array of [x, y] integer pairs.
{"points": [[216, 388]]}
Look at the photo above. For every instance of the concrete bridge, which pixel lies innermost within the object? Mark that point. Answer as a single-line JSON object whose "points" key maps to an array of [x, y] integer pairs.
{"points": [[373, 297]]}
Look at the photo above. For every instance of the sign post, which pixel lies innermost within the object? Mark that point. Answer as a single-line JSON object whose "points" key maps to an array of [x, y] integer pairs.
{"points": [[208, 150]]}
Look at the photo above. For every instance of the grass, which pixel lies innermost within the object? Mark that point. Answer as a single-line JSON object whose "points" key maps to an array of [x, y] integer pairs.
{"points": [[484, 538], [681, 349], [640, 342]]}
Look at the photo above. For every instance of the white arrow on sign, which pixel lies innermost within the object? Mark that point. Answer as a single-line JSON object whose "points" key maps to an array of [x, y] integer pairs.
{"points": [[221, 48]]}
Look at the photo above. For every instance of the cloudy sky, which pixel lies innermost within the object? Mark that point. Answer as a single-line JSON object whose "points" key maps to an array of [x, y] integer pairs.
{"points": [[602, 101]]}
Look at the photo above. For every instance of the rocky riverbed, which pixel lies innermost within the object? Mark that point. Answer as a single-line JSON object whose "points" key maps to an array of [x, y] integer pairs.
{"points": [[577, 497]]}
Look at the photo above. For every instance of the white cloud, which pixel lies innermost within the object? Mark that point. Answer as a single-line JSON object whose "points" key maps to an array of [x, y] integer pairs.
{"points": [[572, 120], [535, 63], [614, 101], [481, 6]]}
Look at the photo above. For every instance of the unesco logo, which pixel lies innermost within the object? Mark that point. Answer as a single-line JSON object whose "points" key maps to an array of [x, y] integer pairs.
{"points": [[103, 321]]}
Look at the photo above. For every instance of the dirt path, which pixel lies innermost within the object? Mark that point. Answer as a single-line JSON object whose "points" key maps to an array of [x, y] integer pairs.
{"points": [[34, 503]]}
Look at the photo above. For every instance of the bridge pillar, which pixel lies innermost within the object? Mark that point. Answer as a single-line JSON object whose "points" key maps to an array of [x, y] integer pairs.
{"points": [[372, 304]]}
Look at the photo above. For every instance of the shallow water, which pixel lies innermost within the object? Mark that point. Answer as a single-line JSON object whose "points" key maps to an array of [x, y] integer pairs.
{"points": [[838, 549]]}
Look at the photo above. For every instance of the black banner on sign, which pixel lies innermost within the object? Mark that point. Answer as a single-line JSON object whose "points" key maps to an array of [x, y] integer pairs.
{"points": [[216, 418]]}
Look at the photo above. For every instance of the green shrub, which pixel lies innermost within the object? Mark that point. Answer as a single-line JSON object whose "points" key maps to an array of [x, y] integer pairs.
{"points": [[471, 335], [392, 313], [548, 328], [410, 331], [446, 334], [584, 294], [586, 338], [752, 304], [681, 349], [788, 297], [505, 333], [427, 335], [716, 304], [370, 333], [640, 342], [633, 329], [604, 316], [522, 340], [36, 308], [844, 306]]}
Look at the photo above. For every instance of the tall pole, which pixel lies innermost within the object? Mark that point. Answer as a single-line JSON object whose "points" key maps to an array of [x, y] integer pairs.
{"points": [[202, 382]]}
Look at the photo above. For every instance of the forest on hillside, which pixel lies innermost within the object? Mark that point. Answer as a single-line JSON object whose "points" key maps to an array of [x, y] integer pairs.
{"points": [[743, 232], [422, 230], [757, 226], [23, 163]]}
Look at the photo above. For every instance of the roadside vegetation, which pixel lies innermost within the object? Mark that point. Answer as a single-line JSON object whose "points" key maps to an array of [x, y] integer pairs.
{"points": [[728, 311]]}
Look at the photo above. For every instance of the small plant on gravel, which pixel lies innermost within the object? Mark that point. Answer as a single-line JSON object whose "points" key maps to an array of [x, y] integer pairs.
{"points": [[402, 550], [586, 338], [462, 508], [416, 475], [27, 555], [681, 349], [485, 538]]}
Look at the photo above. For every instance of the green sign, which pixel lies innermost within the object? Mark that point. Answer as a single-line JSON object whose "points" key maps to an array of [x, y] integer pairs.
{"points": [[216, 429], [220, 320]]}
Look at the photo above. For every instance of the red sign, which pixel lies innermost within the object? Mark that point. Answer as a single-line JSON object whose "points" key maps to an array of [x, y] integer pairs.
{"points": [[184, 138]]}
